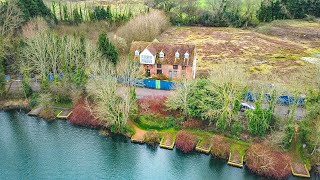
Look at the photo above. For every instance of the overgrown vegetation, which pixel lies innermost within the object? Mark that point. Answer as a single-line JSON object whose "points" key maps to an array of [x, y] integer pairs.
{"points": [[186, 141], [81, 115], [152, 137], [222, 13], [263, 161], [144, 27]]}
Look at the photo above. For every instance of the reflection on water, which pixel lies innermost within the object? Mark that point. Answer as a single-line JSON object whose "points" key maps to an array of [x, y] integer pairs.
{"points": [[35, 149]]}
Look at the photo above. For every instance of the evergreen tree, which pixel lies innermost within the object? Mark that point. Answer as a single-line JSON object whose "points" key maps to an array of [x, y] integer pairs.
{"points": [[65, 13], [54, 12], [60, 12], [109, 13], [76, 16], [107, 49], [33, 8]]}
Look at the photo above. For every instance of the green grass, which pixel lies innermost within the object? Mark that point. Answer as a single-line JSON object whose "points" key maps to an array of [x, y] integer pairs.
{"points": [[63, 105], [57, 112], [238, 146], [155, 122]]}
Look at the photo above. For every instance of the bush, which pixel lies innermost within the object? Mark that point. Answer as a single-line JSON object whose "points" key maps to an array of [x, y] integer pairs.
{"points": [[289, 134], [221, 148], [153, 104], [144, 27], [82, 116], [47, 114], [265, 162], [193, 124], [186, 141], [152, 121], [237, 129], [34, 101], [152, 137]]}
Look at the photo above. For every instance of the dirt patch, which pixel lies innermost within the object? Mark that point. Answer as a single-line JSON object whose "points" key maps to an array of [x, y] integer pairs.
{"points": [[139, 133], [304, 32]]}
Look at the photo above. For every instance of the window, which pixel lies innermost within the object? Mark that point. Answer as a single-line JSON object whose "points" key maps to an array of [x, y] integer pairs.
{"points": [[175, 66], [177, 55], [186, 55], [136, 53], [161, 55], [159, 71], [145, 59], [175, 72], [159, 66]]}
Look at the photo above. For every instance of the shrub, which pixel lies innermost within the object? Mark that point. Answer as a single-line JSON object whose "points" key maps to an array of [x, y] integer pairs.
{"points": [[153, 104], [152, 121], [34, 101], [186, 141], [144, 27], [193, 124], [221, 148], [82, 116], [289, 134], [47, 114], [265, 162], [237, 129], [107, 49], [152, 137]]}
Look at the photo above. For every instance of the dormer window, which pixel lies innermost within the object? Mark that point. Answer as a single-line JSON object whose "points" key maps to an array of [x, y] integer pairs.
{"points": [[177, 55], [137, 53], [186, 55], [161, 55]]}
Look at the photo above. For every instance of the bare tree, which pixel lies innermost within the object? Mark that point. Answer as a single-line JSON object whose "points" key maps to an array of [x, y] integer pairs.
{"points": [[11, 17], [179, 99], [48, 52], [227, 82], [145, 27], [113, 106]]}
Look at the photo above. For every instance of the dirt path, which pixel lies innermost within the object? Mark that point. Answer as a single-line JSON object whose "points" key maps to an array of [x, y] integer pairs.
{"points": [[139, 133]]}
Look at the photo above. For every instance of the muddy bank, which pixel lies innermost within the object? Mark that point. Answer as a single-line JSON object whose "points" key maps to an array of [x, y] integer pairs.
{"points": [[14, 104]]}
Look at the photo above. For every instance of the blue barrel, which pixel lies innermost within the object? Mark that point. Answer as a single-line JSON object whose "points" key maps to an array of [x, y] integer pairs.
{"points": [[8, 78], [51, 77], [60, 75], [250, 96]]}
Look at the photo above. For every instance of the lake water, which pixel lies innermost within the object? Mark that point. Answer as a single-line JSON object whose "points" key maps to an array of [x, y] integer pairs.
{"points": [[31, 148]]}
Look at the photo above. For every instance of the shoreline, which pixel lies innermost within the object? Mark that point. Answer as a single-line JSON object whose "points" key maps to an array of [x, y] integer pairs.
{"points": [[14, 104], [315, 169]]}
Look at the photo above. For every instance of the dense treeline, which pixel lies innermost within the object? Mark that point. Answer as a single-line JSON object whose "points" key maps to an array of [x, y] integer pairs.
{"points": [[33, 8], [288, 9], [236, 13], [74, 14]]}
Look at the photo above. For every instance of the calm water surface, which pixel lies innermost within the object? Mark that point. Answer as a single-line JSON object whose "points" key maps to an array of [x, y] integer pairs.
{"points": [[31, 148]]}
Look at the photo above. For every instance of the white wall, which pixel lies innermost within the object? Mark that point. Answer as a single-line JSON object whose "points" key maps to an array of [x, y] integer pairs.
{"points": [[147, 58]]}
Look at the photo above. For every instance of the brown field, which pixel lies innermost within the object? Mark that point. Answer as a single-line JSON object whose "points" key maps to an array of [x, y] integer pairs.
{"points": [[262, 55], [304, 32]]}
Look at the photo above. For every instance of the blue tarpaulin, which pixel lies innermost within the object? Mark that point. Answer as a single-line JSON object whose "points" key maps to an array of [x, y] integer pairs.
{"points": [[283, 100], [8, 78], [158, 84]]}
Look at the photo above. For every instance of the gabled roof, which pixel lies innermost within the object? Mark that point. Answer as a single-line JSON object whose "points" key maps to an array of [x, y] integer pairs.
{"points": [[168, 49]]}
